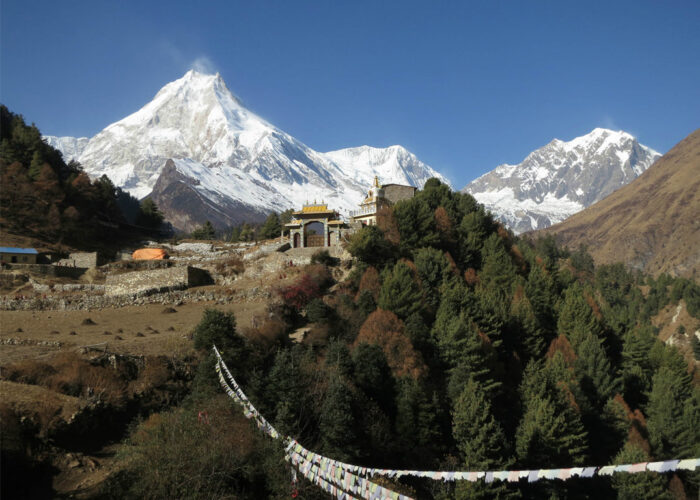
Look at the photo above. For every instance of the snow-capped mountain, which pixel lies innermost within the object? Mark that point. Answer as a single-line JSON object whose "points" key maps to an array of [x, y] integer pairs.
{"points": [[71, 147], [561, 178], [195, 142]]}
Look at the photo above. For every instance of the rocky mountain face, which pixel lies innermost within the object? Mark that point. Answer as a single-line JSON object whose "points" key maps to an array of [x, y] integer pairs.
{"points": [[561, 178], [201, 155], [653, 223]]}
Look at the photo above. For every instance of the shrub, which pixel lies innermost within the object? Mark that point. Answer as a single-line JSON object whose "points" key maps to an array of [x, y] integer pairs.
{"points": [[298, 295], [174, 455], [318, 312], [230, 267], [216, 327], [325, 258]]}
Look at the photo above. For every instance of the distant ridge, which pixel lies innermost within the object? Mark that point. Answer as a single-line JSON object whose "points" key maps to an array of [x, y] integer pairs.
{"points": [[653, 223], [561, 178]]}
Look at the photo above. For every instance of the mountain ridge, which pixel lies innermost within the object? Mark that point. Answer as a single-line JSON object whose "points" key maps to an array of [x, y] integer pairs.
{"points": [[561, 178], [652, 223], [243, 160]]}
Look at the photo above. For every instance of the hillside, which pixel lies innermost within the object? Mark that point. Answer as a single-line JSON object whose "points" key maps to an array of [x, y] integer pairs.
{"points": [[53, 204], [652, 223]]}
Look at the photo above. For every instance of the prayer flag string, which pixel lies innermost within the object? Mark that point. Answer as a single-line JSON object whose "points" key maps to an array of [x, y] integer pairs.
{"points": [[344, 480]]}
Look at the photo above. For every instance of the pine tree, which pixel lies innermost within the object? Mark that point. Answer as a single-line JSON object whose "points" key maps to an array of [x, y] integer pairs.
{"points": [[467, 357], [540, 290], [149, 215], [337, 423], [272, 227], [478, 436], [417, 423], [36, 165], [369, 246], [498, 270], [551, 430], [372, 374], [671, 388], [576, 316], [433, 269], [416, 224], [638, 486], [204, 232], [479, 439], [637, 369], [594, 371], [400, 292]]}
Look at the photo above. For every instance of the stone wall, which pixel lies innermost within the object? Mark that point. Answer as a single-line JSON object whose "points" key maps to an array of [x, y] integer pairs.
{"points": [[157, 280], [398, 192], [49, 270]]}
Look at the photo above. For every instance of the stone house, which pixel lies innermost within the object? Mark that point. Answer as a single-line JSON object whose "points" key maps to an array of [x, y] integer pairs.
{"points": [[15, 255]]}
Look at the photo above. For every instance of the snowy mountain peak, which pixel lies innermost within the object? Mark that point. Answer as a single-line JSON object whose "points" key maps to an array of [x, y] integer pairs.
{"points": [[202, 154], [562, 178]]}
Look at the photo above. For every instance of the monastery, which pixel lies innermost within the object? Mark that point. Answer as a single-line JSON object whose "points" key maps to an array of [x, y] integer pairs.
{"points": [[316, 225]]}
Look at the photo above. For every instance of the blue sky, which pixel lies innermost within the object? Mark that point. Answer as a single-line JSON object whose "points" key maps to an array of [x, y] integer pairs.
{"points": [[464, 85]]}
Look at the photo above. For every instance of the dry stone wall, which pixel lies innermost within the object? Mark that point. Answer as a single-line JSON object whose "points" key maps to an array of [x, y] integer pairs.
{"points": [[157, 280]]}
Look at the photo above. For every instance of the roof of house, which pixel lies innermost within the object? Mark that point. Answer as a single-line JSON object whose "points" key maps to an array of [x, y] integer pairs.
{"points": [[18, 250], [314, 209]]}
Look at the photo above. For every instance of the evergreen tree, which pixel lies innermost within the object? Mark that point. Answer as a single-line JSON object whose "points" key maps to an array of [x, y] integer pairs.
{"points": [[532, 340], [466, 356], [417, 423], [369, 246], [471, 232], [541, 291], [576, 317], [373, 375], [671, 388], [416, 224], [594, 371], [637, 369], [639, 486], [400, 292], [204, 232], [433, 269], [498, 270], [149, 215], [551, 430], [337, 424], [480, 441], [36, 165], [272, 227]]}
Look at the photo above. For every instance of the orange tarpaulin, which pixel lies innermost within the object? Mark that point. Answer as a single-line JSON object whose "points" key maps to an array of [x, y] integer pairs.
{"points": [[149, 254]]}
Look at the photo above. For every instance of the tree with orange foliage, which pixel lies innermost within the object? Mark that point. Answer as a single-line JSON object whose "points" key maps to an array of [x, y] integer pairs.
{"points": [[387, 223], [370, 282], [385, 329]]}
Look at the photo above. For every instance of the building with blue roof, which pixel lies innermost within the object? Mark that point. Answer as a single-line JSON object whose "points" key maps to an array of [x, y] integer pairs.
{"points": [[15, 255]]}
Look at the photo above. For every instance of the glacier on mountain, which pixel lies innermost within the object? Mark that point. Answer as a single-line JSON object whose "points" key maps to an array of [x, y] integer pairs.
{"points": [[230, 156]]}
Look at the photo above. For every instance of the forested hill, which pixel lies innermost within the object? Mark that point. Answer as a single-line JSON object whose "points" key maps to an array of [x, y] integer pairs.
{"points": [[452, 345], [44, 197]]}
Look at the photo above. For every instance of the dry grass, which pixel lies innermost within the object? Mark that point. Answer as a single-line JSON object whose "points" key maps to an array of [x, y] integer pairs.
{"points": [[232, 266], [70, 374]]}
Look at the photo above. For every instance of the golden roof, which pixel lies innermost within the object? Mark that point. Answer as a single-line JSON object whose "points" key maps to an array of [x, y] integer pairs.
{"points": [[314, 209]]}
